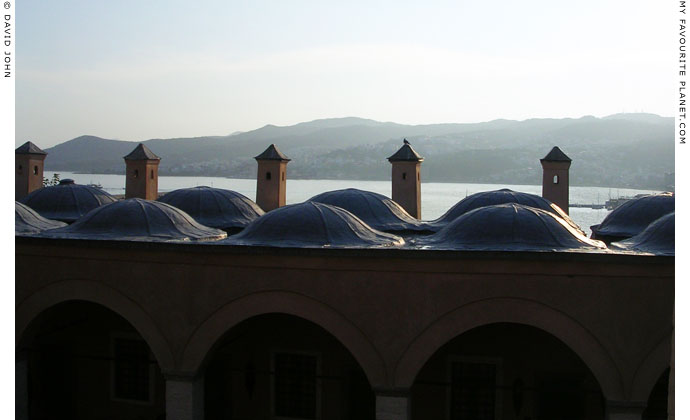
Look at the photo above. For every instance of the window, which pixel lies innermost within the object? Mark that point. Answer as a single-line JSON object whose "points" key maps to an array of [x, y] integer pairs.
{"points": [[20, 169], [295, 389], [151, 173], [283, 176], [473, 389], [136, 173], [268, 176], [555, 179], [35, 170], [404, 175], [132, 370]]}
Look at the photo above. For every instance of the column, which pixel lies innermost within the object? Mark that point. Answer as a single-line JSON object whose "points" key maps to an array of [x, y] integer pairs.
{"points": [[624, 410], [672, 375], [184, 398], [392, 405], [21, 389]]}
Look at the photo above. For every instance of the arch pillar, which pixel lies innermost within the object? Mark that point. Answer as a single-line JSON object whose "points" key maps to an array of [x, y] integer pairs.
{"points": [[21, 387], [672, 378], [624, 410], [392, 404], [184, 397]]}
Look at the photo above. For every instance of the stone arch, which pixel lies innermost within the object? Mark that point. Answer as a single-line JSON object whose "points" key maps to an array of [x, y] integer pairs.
{"points": [[513, 310], [94, 292], [651, 369], [210, 331]]}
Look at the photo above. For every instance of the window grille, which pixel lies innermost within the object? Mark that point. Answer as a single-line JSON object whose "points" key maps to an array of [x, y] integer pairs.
{"points": [[131, 370]]}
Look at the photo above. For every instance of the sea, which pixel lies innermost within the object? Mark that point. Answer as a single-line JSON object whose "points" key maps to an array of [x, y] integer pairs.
{"points": [[437, 197]]}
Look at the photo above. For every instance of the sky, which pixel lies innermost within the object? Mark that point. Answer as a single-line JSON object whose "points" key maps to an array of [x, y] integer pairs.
{"points": [[135, 70]]}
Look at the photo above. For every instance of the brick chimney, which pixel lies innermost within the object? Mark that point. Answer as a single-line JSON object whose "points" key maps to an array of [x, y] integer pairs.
{"points": [[141, 179], [28, 169], [555, 184], [270, 179], [406, 180]]}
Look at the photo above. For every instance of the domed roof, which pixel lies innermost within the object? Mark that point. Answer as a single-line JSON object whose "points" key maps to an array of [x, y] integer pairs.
{"points": [[214, 207], [633, 216], [135, 219], [67, 201], [658, 238], [312, 224], [509, 227], [502, 196], [376, 210], [27, 220]]}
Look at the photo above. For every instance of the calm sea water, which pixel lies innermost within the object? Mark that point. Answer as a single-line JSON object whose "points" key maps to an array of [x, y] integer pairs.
{"points": [[437, 197]]}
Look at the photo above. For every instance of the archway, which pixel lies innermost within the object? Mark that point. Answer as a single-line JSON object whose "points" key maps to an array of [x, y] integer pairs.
{"points": [[92, 291], [207, 335], [506, 371], [84, 361], [279, 365], [520, 311]]}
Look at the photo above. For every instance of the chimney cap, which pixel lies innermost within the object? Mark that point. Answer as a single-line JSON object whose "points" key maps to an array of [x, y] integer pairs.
{"points": [[272, 153], [556, 155], [142, 152], [405, 153], [29, 148]]}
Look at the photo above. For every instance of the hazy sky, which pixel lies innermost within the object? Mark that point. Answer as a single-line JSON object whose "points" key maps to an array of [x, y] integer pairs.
{"points": [[134, 70]]}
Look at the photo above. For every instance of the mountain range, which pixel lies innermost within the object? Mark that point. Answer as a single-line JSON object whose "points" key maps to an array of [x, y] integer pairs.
{"points": [[621, 150]]}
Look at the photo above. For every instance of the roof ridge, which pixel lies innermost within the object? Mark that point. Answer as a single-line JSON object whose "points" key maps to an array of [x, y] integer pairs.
{"points": [[141, 152], [405, 153], [272, 153], [29, 148], [556, 155]]}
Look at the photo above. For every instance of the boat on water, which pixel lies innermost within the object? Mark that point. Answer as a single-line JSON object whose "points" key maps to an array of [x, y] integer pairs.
{"points": [[614, 203]]}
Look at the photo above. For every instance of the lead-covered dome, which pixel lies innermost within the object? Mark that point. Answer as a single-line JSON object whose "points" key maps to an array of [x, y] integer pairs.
{"points": [[135, 219], [312, 224], [376, 210], [27, 221], [502, 196], [214, 207], [657, 238], [67, 201], [510, 227], [633, 216]]}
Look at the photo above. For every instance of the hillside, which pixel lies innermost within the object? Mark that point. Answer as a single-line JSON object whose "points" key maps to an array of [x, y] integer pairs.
{"points": [[621, 150]]}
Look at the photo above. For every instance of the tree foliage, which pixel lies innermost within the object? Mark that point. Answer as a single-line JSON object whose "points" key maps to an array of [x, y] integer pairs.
{"points": [[55, 180]]}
